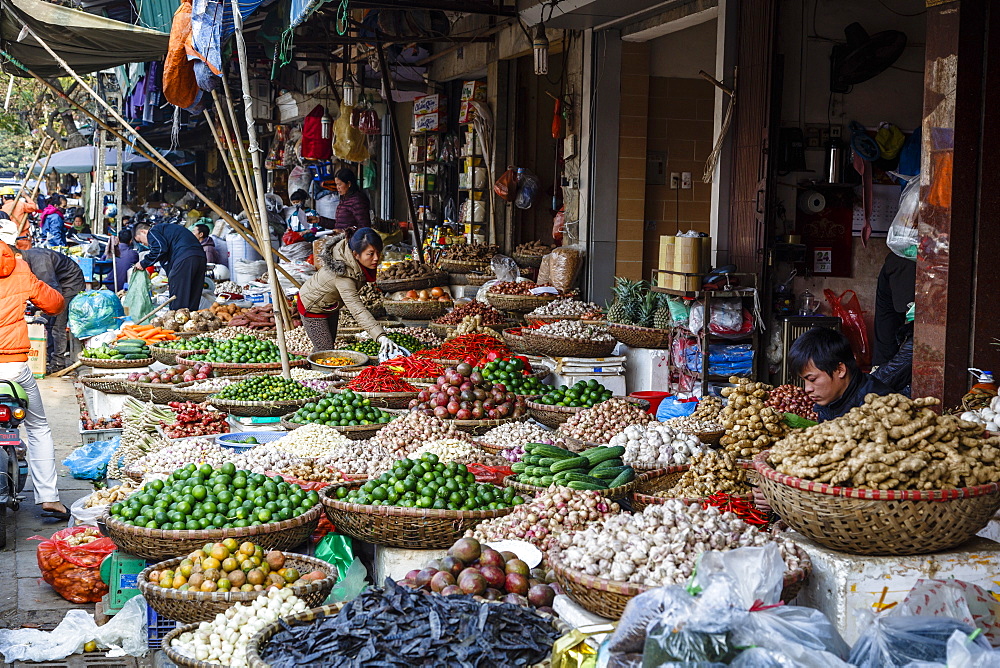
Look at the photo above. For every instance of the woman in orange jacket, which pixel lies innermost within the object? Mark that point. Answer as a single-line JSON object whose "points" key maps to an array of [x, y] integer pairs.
{"points": [[18, 286]]}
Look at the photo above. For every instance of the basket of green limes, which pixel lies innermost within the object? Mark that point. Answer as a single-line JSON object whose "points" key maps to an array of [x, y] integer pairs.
{"points": [[263, 396], [348, 412]]}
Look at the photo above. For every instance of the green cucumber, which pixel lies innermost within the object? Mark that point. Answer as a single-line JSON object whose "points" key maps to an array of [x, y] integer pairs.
{"points": [[518, 467], [576, 484], [530, 459], [546, 480], [597, 455], [548, 461], [623, 478], [546, 450], [609, 473], [581, 477], [574, 463], [610, 464]]}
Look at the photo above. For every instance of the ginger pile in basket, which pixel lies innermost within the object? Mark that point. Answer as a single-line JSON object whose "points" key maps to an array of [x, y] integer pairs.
{"points": [[891, 442]]}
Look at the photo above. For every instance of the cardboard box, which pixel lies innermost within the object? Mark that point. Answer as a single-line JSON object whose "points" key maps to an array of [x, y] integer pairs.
{"points": [[38, 354], [433, 122], [687, 255], [466, 112], [667, 252], [428, 104], [473, 90]]}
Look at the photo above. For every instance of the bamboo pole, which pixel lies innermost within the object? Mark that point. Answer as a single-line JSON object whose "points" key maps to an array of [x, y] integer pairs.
{"points": [[400, 155], [27, 175], [152, 154], [38, 181], [244, 161], [276, 290], [241, 177], [229, 170]]}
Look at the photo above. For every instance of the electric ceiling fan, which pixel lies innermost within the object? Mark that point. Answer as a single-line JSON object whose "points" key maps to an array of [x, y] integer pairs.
{"points": [[863, 56]]}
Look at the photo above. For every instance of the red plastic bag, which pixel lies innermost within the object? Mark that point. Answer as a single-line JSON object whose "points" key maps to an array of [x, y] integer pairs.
{"points": [[852, 320], [290, 237], [314, 145], [74, 571], [492, 474], [506, 186]]}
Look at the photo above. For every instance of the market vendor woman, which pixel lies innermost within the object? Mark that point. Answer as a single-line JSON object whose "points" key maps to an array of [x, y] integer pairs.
{"points": [[823, 359], [345, 266]]}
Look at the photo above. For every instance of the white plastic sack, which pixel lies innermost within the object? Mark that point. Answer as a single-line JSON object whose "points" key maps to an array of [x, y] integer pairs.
{"points": [[300, 270], [726, 314], [124, 634], [248, 271], [903, 236], [81, 515], [239, 249], [297, 251]]}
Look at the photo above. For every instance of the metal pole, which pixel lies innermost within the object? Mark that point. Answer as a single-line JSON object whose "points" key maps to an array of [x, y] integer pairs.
{"points": [[400, 155], [265, 230]]}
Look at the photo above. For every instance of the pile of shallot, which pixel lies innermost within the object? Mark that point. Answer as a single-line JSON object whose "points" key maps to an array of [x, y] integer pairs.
{"points": [[791, 399], [602, 422], [541, 520]]}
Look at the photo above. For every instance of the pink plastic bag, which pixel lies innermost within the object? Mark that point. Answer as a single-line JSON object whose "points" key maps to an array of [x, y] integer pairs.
{"points": [[852, 320]]}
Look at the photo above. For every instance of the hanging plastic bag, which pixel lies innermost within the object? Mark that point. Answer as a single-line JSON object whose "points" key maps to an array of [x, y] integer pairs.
{"points": [[528, 189], [348, 143], [314, 145], [903, 235], [138, 302], [506, 186], [505, 270], [890, 641], [74, 571], [852, 320], [90, 461], [94, 312], [125, 632]]}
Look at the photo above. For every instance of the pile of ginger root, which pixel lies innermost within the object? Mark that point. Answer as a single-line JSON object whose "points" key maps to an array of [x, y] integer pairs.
{"points": [[891, 442]]}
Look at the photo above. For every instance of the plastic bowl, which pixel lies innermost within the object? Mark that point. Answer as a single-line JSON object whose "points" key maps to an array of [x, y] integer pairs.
{"points": [[654, 399], [226, 440]]}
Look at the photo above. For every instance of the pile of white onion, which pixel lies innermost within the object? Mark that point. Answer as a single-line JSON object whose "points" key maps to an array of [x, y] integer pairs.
{"points": [[224, 639]]}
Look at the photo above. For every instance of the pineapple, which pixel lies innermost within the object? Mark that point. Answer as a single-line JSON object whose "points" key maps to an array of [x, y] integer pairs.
{"points": [[662, 317], [616, 312], [647, 310], [628, 298]]}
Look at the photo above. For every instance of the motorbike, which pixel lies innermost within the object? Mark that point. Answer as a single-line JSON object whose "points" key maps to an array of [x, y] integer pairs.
{"points": [[13, 452]]}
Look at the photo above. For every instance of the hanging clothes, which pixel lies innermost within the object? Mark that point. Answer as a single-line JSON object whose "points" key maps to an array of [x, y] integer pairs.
{"points": [[179, 84]]}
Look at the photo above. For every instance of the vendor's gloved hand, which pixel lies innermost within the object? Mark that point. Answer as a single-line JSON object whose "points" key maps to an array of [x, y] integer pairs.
{"points": [[387, 349]]}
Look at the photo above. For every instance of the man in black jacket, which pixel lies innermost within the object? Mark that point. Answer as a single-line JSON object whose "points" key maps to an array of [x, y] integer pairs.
{"points": [[180, 254], [823, 359], [63, 274]]}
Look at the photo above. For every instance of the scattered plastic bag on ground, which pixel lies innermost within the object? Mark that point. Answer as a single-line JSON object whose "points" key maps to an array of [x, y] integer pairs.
{"points": [[124, 634], [74, 571], [90, 461], [94, 312], [892, 641]]}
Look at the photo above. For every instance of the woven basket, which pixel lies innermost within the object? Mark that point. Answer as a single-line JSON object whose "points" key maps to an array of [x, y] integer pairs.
{"points": [[184, 390], [439, 329], [359, 359], [167, 356], [396, 526], [158, 393], [477, 280], [518, 303], [260, 408], [514, 340], [553, 416], [538, 320], [525, 260], [234, 369], [115, 364], [107, 383], [463, 266], [159, 544], [440, 278], [713, 438], [356, 433], [554, 346], [381, 399], [197, 606], [480, 427], [183, 659], [867, 521], [608, 598], [417, 310], [640, 482], [634, 336], [647, 495]]}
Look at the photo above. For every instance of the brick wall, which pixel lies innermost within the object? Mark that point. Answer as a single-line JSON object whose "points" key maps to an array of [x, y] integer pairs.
{"points": [[632, 160], [680, 122]]}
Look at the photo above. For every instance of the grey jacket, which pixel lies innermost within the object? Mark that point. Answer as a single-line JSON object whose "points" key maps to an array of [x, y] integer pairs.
{"points": [[336, 284]]}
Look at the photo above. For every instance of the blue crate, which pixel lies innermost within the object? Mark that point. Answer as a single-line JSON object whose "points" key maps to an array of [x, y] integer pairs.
{"points": [[226, 440], [157, 628]]}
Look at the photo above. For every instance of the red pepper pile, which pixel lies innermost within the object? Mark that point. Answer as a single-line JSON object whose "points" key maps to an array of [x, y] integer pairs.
{"points": [[414, 367], [745, 510], [379, 379], [195, 420], [467, 348]]}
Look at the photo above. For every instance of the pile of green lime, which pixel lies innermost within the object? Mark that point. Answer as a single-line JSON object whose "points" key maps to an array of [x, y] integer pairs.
{"points": [[346, 409], [241, 349], [266, 388], [200, 497], [194, 343], [584, 394], [511, 374], [429, 483], [370, 347]]}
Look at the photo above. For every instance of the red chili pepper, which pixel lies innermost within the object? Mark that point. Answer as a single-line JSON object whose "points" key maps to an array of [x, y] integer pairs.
{"points": [[379, 379]]}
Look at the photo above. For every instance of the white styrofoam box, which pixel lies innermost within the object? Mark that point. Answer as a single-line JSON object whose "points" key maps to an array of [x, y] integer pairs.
{"points": [[647, 370], [842, 583], [238, 424], [992, 530], [396, 562], [100, 404]]}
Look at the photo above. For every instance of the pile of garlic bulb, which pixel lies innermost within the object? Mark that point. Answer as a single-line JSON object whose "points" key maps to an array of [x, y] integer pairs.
{"points": [[988, 416], [224, 639], [662, 544], [656, 445]]}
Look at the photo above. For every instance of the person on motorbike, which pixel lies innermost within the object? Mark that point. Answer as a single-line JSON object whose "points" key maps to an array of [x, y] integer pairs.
{"points": [[18, 208], [53, 223], [17, 287]]}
